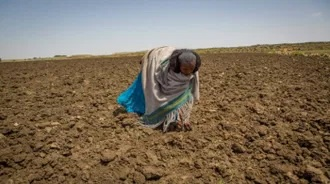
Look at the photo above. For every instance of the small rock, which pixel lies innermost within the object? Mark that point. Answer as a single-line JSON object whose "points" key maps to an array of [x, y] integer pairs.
{"points": [[85, 175], [80, 126], [8, 131], [229, 127], [49, 172], [293, 178], [148, 131], [31, 132], [75, 134], [55, 123], [315, 164], [123, 150], [250, 175], [90, 139], [16, 124], [198, 175], [315, 174], [83, 166], [279, 169], [2, 136], [138, 178], [108, 156], [54, 145], [35, 177], [243, 129], [123, 173], [3, 117], [258, 108], [186, 161], [226, 135], [69, 125], [48, 129], [42, 155], [19, 158], [304, 114], [66, 153], [271, 157], [61, 178], [152, 156], [262, 130], [38, 146], [10, 181], [259, 156], [152, 173], [73, 174], [221, 146], [237, 148], [220, 169], [198, 164], [126, 124], [47, 124], [66, 171]]}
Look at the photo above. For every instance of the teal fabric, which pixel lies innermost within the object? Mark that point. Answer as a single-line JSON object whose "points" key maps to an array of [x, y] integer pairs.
{"points": [[132, 99]]}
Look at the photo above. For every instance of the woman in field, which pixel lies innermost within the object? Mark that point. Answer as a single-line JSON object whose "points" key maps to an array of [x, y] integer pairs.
{"points": [[165, 89]]}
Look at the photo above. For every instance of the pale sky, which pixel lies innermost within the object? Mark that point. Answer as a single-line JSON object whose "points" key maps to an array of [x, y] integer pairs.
{"points": [[44, 28]]}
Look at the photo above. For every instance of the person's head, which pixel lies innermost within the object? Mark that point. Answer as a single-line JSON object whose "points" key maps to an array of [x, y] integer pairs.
{"points": [[185, 61]]}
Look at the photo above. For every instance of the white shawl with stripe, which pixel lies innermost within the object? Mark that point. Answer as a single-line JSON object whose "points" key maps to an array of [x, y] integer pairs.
{"points": [[161, 85]]}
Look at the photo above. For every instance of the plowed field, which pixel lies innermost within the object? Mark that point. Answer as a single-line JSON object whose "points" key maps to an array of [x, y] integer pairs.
{"points": [[261, 119]]}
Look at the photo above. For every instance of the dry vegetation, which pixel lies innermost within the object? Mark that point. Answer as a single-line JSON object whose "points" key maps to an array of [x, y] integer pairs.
{"points": [[306, 49]]}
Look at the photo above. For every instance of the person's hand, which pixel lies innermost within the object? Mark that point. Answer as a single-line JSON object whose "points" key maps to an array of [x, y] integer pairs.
{"points": [[187, 126], [183, 125]]}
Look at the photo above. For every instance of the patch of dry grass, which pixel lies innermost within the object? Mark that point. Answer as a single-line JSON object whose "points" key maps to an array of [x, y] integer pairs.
{"points": [[306, 49]]}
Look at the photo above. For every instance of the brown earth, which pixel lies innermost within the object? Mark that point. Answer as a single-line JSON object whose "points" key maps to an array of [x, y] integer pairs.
{"points": [[261, 119]]}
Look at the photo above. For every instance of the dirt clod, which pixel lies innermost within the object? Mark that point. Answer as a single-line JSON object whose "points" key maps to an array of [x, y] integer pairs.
{"points": [[152, 173], [237, 148], [108, 156]]}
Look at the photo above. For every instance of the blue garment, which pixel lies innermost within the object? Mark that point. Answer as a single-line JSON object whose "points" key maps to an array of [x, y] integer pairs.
{"points": [[133, 98]]}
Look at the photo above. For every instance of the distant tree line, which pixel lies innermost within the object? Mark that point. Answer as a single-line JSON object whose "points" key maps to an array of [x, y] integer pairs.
{"points": [[60, 56]]}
